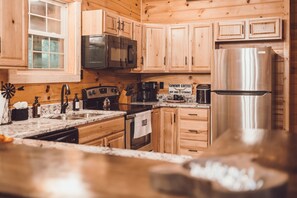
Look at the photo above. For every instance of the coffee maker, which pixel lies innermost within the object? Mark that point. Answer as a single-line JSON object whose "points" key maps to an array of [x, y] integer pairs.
{"points": [[147, 91]]}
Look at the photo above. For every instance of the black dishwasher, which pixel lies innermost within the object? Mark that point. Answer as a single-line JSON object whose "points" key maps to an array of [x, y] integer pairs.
{"points": [[69, 135]]}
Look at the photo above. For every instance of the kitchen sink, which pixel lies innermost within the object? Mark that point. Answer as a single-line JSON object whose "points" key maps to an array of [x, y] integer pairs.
{"points": [[74, 116]]}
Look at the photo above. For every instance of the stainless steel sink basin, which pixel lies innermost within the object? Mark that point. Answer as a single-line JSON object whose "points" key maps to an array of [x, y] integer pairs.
{"points": [[74, 116]]}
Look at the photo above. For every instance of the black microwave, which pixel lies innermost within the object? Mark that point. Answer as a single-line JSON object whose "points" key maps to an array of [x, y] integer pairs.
{"points": [[107, 51]]}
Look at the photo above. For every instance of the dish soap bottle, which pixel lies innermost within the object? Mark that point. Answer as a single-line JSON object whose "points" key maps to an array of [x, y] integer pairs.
{"points": [[75, 103], [36, 108]]}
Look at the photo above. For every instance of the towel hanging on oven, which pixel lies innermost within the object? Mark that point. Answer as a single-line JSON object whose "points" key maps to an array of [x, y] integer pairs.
{"points": [[142, 124]]}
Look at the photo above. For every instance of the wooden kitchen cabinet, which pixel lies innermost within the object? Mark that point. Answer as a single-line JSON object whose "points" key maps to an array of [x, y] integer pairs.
{"points": [[201, 47], [103, 133], [137, 35], [156, 116], [168, 130], [193, 135], [265, 28], [230, 30], [115, 140], [96, 22], [13, 33], [155, 48], [178, 51]]}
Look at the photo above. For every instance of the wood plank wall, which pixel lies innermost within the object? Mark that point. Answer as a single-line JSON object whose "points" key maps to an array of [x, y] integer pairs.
{"points": [[180, 11], [293, 72], [173, 11], [127, 8]]}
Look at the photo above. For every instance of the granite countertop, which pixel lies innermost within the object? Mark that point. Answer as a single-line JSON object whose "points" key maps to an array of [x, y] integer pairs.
{"points": [[35, 126], [169, 104], [105, 150]]}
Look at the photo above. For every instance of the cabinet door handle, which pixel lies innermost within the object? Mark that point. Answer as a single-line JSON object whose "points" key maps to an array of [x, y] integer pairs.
{"points": [[165, 60], [119, 25], [174, 118], [193, 131], [123, 25], [192, 60], [186, 60], [141, 62], [193, 150], [0, 45], [192, 114]]}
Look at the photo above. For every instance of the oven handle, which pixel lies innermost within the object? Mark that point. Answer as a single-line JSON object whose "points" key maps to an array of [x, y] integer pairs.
{"points": [[129, 117]]}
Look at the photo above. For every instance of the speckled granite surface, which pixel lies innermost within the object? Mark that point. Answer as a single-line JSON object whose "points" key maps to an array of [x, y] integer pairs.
{"points": [[34, 126], [168, 104], [106, 150]]}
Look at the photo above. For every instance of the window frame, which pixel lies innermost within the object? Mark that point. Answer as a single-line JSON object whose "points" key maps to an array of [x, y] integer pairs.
{"points": [[71, 71]]}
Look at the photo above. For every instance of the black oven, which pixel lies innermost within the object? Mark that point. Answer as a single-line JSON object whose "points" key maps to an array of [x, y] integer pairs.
{"points": [[107, 51]]}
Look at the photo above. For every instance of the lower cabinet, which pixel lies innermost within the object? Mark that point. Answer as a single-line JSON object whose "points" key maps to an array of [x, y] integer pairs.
{"points": [[156, 116], [103, 133], [193, 134], [184, 131], [168, 128]]}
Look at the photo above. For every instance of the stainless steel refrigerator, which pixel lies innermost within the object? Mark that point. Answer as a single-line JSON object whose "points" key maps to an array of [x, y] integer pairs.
{"points": [[241, 90]]}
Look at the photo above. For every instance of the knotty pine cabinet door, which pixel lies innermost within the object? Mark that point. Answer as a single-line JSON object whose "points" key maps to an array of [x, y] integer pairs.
{"points": [[111, 23], [126, 28], [13, 33], [156, 118], [115, 140], [178, 51], [168, 130], [201, 47], [265, 28], [137, 35], [230, 30], [155, 48]]}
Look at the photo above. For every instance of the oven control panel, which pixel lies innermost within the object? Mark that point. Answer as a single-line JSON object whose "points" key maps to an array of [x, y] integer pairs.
{"points": [[100, 92]]}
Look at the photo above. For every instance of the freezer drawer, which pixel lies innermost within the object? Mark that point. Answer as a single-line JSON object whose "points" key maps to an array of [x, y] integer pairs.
{"points": [[242, 69], [233, 112]]}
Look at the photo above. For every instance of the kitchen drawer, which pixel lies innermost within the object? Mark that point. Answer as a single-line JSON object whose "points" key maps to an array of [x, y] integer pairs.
{"points": [[192, 144], [193, 125], [193, 134], [100, 129], [190, 152], [193, 114]]}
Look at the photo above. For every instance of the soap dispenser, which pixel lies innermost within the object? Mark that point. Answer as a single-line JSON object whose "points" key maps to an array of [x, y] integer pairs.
{"points": [[76, 103], [36, 108]]}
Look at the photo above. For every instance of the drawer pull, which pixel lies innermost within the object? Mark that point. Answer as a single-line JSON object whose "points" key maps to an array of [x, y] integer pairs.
{"points": [[196, 151], [193, 114], [194, 131]]}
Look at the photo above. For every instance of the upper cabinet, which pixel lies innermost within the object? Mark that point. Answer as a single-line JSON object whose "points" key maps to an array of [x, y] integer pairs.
{"points": [[178, 51], [265, 28], [230, 30], [137, 35], [100, 21], [155, 48], [249, 29], [13, 33], [201, 47]]}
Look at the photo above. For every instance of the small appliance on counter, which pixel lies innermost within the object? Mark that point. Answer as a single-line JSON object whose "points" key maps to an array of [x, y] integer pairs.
{"points": [[147, 92], [203, 94]]}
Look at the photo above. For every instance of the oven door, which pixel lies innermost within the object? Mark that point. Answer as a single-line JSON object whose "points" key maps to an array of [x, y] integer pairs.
{"points": [[143, 143]]}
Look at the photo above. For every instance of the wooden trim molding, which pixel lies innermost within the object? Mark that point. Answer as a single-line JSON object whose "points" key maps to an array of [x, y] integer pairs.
{"points": [[71, 73]]}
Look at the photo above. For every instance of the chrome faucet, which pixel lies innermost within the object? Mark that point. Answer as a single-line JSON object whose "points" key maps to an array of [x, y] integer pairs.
{"points": [[64, 93]]}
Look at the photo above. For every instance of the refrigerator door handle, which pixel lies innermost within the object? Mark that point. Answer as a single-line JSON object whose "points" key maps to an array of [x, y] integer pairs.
{"points": [[245, 93]]}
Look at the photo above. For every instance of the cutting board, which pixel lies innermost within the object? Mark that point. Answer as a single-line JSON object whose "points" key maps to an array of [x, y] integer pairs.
{"points": [[178, 179], [123, 98]]}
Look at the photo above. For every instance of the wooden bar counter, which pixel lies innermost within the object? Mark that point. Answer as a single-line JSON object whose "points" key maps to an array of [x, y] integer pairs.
{"points": [[27, 171]]}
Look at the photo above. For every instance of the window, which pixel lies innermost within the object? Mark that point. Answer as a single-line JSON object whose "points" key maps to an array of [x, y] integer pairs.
{"points": [[47, 33], [54, 43]]}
